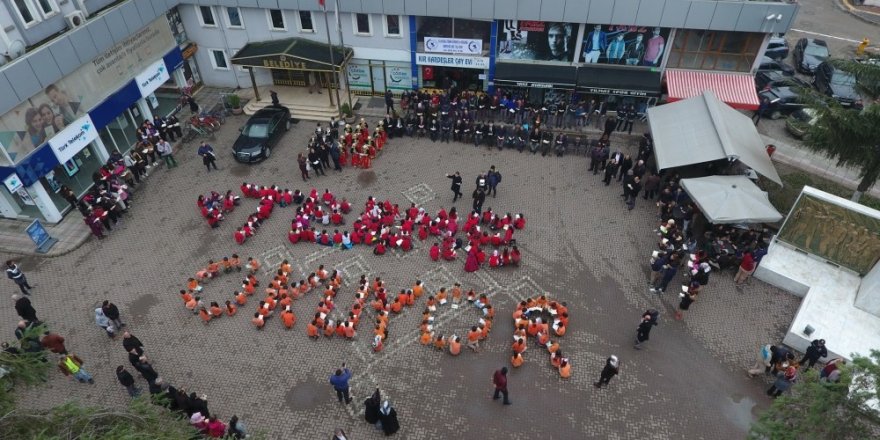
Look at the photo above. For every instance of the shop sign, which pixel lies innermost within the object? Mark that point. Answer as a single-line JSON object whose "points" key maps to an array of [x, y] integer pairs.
{"points": [[154, 76], [73, 138], [620, 92], [283, 64], [359, 76], [453, 45], [481, 63], [398, 77], [535, 85], [189, 50], [13, 183]]}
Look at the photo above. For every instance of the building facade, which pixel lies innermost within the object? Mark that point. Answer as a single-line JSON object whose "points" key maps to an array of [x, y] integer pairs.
{"points": [[79, 76]]}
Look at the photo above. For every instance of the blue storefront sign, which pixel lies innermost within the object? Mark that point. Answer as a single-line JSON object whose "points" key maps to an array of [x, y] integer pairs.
{"points": [[40, 236]]}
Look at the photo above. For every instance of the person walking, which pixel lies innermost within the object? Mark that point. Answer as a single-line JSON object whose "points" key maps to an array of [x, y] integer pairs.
{"points": [[104, 322], [762, 108], [388, 419], [499, 379], [54, 343], [208, 156], [815, 351], [764, 361], [479, 197], [372, 405], [24, 308], [493, 178], [71, 365], [456, 185], [166, 151], [643, 332], [612, 367], [127, 380], [112, 313], [339, 380], [14, 273]]}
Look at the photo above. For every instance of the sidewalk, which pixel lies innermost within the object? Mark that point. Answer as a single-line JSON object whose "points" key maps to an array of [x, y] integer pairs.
{"points": [[870, 14]]}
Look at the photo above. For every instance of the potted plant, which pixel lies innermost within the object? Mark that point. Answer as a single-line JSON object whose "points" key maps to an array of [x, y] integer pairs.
{"points": [[234, 103], [346, 113]]}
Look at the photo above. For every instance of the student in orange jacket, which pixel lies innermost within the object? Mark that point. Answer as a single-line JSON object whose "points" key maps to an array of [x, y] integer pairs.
{"points": [[288, 318], [312, 330], [216, 310], [516, 359], [440, 343], [240, 298], [565, 369], [418, 289], [230, 308], [454, 345], [258, 321]]}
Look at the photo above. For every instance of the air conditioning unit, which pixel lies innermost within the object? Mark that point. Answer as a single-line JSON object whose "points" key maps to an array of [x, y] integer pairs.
{"points": [[75, 19]]}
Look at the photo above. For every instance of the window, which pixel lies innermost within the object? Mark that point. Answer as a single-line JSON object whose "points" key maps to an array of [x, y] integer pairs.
{"points": [[362, 24], [233, 18], [206, 16], [392, 25], [276, 20], [47, 7], [218, 59], [25, 11], [714, 50], [305, 21]]}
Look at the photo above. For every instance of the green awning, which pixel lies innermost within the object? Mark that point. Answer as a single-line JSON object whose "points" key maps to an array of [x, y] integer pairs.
{"points": [[292, 54]]}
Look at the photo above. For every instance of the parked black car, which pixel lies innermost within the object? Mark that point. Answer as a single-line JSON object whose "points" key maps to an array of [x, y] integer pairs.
{"points": [[775, 78], [808, 54], [837, 84], [782, 101], [260, 133], [768, 63], [777, 48]]}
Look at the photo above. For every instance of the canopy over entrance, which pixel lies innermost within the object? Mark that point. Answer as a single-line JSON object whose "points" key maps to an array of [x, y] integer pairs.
{"points": [[293, 54], [731, 199], [704, 129], [736, 89]]}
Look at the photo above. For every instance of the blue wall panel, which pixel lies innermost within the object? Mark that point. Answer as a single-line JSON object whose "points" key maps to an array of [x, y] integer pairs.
{"points": [[101, 34], [37, 165], [105, 112], [44, 66], [131, 16], [6, 90], [82, 43], [24, 78], [65, 56]]}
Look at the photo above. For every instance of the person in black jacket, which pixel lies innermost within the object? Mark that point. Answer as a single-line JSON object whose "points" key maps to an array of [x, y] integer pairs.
{"points": [[643, 332], [456, 185], [315, 161], [131, 342], [625, 165], [371, 407], [815, 351], [24, 308], [146, 370], [127, 380], [612, 367], [388, 419], [112, 313]]}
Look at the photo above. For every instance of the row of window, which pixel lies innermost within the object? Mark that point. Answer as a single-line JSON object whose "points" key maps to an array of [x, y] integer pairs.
{"points": [[277, 19], [32, 12]]}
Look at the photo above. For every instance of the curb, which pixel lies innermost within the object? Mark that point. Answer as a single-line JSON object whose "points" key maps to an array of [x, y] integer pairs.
{"points": [[845, 6]]}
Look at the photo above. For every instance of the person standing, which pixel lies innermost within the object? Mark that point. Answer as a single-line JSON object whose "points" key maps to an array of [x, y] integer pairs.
{"points": [[71, 365], [144, 367], [764, 361], [499, 379], [339, 380], [479, 197], [746, 268], [389, 101], [24, 308], [632, 192], [131, 342], [651, 185], [493, 178], [167, 152], [762, 109], [612, 367], [14, 273], [815, 351], [388, 419], [112, 313], [643, 331], [456, 185], [334, 153], [315, 161], [303, 168], [274, 96], [208, 156], [127, 380], [54, 343]]}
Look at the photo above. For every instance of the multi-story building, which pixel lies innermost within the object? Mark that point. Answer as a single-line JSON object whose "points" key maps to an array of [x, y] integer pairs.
{"points": [[77, 77]]}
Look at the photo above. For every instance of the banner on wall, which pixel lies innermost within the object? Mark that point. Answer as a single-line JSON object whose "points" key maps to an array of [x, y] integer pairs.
{"points": [[398, 77], [34, 121], [454, 45], [536, 40], [427, 59], [359, 76], [624, 45], [154, 76], [73, 139]]}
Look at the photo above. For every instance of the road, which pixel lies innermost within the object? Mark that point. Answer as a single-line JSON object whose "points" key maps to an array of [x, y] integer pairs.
{"points": [[826, 20]]}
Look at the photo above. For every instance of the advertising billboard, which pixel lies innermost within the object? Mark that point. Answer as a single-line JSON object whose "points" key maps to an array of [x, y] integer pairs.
{"points": [[624, 45], [536, 40]]}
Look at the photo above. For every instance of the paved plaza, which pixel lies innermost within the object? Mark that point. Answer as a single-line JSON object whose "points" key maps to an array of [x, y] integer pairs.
{"points": [[580, 245]]}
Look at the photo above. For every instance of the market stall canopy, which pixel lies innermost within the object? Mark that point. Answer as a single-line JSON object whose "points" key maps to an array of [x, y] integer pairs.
{"points": [[736, 89], [731, 199], [704, 129], [292, 54]]}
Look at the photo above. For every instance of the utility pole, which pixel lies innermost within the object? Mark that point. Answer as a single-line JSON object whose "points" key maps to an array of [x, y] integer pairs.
{"points": [[332, 57], [342, 44]]}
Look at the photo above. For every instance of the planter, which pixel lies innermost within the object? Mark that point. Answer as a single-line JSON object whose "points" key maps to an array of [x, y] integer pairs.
{"points": [[237, 111]]}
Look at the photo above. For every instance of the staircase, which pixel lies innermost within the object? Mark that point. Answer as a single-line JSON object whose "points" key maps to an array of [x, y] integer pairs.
{"points": [[303, 106]]}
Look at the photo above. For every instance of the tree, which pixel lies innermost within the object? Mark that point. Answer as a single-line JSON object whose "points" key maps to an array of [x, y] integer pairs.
{"points": [[850, 137], [820, 410]]}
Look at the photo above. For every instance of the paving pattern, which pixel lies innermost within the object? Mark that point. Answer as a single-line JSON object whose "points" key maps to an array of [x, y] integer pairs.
{"points": [[580, 245]]}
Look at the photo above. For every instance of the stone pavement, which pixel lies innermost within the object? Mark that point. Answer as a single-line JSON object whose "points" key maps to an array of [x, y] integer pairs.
{"points": [[580, 245]]}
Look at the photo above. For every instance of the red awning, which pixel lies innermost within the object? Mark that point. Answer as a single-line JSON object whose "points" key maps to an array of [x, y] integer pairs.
{"points": [[735, 89]]}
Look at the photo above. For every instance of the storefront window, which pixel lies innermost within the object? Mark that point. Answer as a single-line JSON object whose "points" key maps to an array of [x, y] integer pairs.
{"points": [[715, 50], [120, 134], [452, 28]]}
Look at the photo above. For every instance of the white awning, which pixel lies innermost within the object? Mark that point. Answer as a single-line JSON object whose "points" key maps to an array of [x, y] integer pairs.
{"points": [[731, 199]]}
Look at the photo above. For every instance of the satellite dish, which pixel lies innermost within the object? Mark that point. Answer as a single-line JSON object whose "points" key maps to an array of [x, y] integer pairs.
{"points": [[15, 50]]}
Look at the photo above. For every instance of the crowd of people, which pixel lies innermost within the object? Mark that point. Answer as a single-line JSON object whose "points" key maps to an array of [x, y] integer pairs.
{"points": [[428, 335], [505, 119], [355, 146], [541, 319]]}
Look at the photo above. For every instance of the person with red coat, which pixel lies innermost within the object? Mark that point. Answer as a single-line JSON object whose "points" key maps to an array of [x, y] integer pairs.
{"points": [[286, 198], [228, 204], [327, 198], [325, 239], [448, 253], [435, 252], [337, 238], [406, 243], [379, 249], [514, 256], [473, 263], [336, 218], [495, 259], [519, 221], [344, 206], [434, 229], [240, 236], [293, 236], [505, 257], [508, 235], [423, 232]]}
